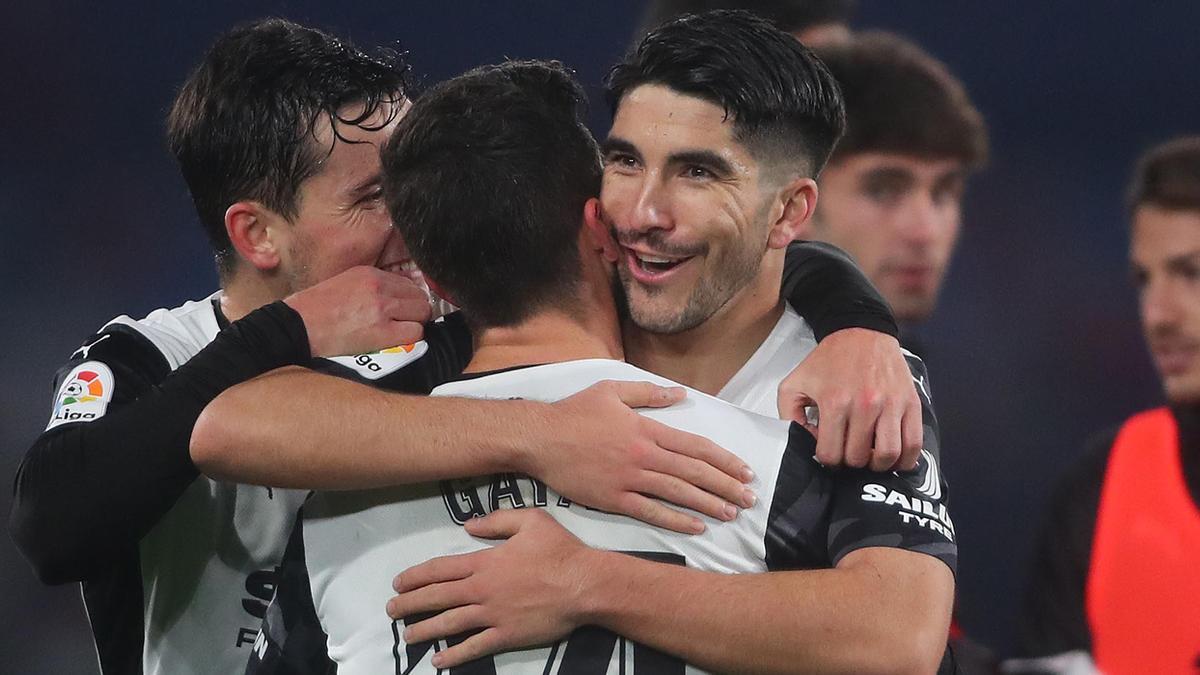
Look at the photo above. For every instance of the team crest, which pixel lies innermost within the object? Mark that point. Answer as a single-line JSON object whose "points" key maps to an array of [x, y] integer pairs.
{"points": [[84, 394], [385, 362]]}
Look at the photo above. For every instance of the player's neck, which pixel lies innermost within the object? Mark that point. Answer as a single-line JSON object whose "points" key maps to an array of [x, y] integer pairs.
{"points": [[243, 293], [549, 336], [709, 355]]}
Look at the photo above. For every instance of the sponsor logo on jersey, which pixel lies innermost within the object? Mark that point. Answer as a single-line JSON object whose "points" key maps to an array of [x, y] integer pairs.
{"points": [[926, 478], [378, 364], [84, 394], [912, 509]]}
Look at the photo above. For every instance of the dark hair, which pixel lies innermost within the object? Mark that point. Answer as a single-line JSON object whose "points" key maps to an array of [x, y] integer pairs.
{"points": [[243, 125], [486, 177], [900, 99], [1168, 176], [789, 16], [784, 104]]}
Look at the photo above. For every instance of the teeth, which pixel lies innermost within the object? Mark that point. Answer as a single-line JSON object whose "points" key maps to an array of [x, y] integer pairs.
{"points": [[654, 259], [409, 266]]}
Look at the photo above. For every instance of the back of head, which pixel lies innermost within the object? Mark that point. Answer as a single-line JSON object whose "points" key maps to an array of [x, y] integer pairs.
{"points": [[789, 16], [1168, 176], [785, 106], [901, 100], [243, 125], [486, 178]]}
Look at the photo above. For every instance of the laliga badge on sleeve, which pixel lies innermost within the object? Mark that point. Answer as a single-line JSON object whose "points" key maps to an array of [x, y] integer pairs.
{"points": [[378, 364], [84, 394]]}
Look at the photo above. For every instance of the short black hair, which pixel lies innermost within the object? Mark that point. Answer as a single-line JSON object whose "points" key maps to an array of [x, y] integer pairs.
{"points": [[900, 99], [1168, 176], [486, 178], [243, 124], [784, 104], [789, 16]]}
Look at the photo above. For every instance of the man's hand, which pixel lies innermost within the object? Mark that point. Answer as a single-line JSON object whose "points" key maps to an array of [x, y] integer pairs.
{"points": [[870, 414], [602, 454], [492, 591], [361, 310]]}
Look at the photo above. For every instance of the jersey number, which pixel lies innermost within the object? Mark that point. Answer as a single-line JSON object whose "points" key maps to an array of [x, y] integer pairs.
{"points": [[587, 651]]}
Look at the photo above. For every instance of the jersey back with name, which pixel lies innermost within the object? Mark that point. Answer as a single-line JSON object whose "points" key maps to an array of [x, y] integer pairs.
{"points": [[347, 547]]}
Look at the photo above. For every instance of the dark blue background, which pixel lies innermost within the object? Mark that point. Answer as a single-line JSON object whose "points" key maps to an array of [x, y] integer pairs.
{"points": [[1034, 348]]}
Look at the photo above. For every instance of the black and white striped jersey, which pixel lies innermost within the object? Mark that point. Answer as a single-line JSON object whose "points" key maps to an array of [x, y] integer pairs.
{"points": [[347, 546], [177, 569]]}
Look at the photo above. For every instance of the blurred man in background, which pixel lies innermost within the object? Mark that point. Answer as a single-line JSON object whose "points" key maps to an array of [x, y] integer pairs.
{"points": [[1114, 584], [892, 193], [813, 22]]}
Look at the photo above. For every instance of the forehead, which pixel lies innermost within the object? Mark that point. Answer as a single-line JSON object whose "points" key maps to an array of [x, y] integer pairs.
{"points": [[1160, 233], [912, 165], [657, 114], [355, 147]]}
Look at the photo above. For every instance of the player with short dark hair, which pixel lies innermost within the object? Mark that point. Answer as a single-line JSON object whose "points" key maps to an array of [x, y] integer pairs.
{"points": [[504, 135], [891, 195], [701, 221], [277, 132], [1113, 586]]}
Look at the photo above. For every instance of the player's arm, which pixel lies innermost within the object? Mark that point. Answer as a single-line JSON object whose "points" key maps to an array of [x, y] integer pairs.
{"points": [[884, 607], [856, 376], [297, 428], [106, 470]]}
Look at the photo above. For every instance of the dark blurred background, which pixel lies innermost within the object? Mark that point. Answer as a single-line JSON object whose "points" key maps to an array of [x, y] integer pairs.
{"points": [[1034, 347]]}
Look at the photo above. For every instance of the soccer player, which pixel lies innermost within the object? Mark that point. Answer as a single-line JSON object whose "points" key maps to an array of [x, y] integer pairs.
{"points": [[277, 133], [545, 326], [1114, 586], [891, 195]]}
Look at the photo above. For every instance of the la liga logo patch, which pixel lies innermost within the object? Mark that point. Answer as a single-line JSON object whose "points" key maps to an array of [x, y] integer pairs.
{"points": [[384, 362], [84, 394]]}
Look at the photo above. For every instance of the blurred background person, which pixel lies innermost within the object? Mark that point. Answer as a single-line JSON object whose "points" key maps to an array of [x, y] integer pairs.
{"points": [[813, 22], [892, 193], [1114, 581]]}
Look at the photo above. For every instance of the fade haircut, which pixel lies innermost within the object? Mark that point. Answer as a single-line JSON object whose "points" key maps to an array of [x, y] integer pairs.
{"points": [[789, 16], [244, 124], [486, 178], [901, 100], [785, 107], [1168, 176]]}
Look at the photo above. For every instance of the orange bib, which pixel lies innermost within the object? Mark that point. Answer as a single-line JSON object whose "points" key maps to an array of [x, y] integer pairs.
{"points": [[1143, 591]]}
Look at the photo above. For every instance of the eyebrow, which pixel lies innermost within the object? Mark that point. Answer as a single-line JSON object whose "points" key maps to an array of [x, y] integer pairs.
{"points": [[367, 185], [617, 144], [890, 173]]}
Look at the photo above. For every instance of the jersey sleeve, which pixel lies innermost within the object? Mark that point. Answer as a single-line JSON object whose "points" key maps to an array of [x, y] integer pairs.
{"points": [[291, 640], [819, 515], [1053, 618], [824, 285], [114, 457]]}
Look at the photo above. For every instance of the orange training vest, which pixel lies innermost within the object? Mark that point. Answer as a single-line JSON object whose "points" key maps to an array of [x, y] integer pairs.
{"points": [[1143, 587]]}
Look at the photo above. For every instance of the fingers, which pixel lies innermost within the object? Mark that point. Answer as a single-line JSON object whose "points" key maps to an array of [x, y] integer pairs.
{"points": [[711, 454], [444, 624], [504, 523], [887, 438], [831, 436], [912, 432], [645, 394], [474, 647], [438, 570], [431, 598], [655, 513], [683, 493]]}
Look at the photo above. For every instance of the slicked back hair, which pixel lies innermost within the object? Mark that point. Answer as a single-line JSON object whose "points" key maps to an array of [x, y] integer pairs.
{"points": [[899, 99], [244, 124], [784, 105], [1168, 176], [486, 178]]}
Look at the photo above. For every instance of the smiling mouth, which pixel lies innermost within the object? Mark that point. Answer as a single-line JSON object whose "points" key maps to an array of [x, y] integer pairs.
{"points": [[405, 268]]}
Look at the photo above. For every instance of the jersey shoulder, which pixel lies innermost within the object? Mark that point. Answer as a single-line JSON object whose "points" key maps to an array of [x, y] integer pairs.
{"points": [[177, 333]]}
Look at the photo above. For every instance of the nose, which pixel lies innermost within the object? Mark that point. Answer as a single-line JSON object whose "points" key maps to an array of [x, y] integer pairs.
{"points": [[1160, 308], [652, 209], [922, 219]]}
